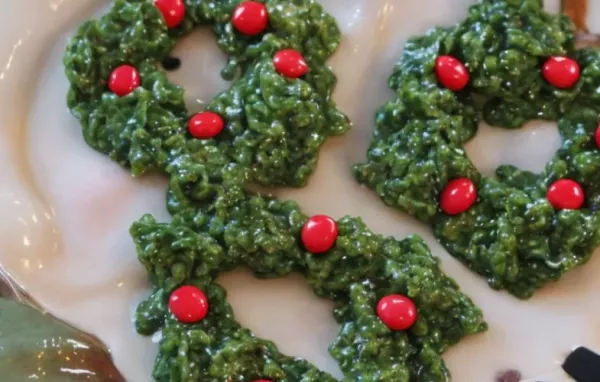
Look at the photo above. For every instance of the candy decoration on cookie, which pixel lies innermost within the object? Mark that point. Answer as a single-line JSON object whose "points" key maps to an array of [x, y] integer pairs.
{"points": [[458, 196], [561, 72], [319, 234], [188, 304], [451, 73], [566, 194], [171, 63], [597, 137], [123, 80], [250, 18], [397, 312], [173, 11], [205, 125], [290, 63]]}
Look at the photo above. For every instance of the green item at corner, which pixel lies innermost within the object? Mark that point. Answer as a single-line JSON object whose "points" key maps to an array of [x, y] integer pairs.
{"points": [[37, 346]]}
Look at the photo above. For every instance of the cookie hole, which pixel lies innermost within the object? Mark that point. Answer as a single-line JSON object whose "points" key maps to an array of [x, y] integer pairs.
{"points": [[529, 148], [199, 69], [171, 63], [287, 312]]}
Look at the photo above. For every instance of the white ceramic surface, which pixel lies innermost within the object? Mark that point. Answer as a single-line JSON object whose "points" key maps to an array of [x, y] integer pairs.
{"points": [[65, 210]]}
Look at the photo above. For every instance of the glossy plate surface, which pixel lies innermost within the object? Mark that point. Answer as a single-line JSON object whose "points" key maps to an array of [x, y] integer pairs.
{"points": [[65, 209]]}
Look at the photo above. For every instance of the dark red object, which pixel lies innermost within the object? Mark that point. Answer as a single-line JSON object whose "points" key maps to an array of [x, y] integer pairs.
{"points": [[188, 304], [451, 73], [173, 11], [458, 196], [290, 63], [566, 194], [561, 72], [263, 380], [250, 18], [509, 376], [397, 312], [319, 234], [205, 125], [123, 80], [598, 136]]}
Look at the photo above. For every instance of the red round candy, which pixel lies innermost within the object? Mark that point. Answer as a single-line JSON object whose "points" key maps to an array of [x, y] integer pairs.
{"points": [[397, 312], [565, 194], [250, 18], [290, 63], [188, 304], [123, 80], [598, 136], [561, 72], [319, 234], [173, 11], [451, 73], [458, 196], [205, 125]]}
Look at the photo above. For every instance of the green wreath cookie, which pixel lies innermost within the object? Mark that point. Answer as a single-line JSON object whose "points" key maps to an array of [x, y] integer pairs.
{"points": [[398, 312], [509, 62]]}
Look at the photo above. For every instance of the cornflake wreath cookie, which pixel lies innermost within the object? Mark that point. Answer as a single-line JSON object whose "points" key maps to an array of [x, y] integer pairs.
{"points": [[398, 312], [508, 63]]}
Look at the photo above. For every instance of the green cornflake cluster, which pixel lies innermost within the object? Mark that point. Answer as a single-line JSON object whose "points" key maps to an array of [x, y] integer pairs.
{"points": [[512, 235], [274, 128]]}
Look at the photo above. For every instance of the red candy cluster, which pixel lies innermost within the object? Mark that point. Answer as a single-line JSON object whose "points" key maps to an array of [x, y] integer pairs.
{"points": [[319, 235], [561, 72], [250, 18], [460, 194]]}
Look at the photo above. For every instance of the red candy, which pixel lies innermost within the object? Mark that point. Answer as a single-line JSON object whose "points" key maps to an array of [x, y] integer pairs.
{"points": [[397, 312], [263, 380], [565, 194], [561, 72], [188, 304], [458, 196], [290, 63], [319, 234], [123, 80], [250, 18], [451, 73], [205, 125], [172, 11], [597, 136]]}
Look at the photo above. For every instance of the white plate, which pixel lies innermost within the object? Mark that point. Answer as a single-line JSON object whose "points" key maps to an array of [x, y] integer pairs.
{"points": [[65, 210]]}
